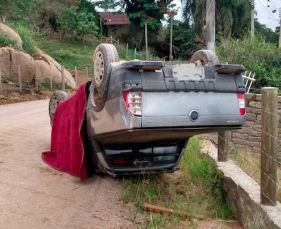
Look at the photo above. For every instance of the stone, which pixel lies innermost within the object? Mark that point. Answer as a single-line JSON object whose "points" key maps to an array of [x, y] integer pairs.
{"points": [[244, 130], [258, 97], [250, 117], [239, 141], [4, 29], [56, 70], [250, 96], [254, 139], [26, 63], [254, 133], [5, 62], [249, 123], [240, 136], [255, 104], [249, 110], [255, 144], [11, 59], [256, 111]]}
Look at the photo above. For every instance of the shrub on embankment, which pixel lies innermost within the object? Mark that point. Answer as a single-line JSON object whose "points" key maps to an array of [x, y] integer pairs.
{"points": [[262, 59]]}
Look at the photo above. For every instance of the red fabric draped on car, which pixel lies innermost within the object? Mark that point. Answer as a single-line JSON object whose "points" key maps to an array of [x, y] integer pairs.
{"points": [[67, 151]]}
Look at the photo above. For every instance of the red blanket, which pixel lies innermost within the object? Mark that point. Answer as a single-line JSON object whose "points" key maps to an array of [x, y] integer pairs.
{"points": [[67, 151]]}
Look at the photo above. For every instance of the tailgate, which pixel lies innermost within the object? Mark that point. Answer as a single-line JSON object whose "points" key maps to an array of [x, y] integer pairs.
{"points": [[167, 109]]}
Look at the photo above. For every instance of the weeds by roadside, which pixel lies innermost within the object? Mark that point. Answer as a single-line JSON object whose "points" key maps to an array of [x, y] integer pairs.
{"points": [[250, 164], [193, 192]]}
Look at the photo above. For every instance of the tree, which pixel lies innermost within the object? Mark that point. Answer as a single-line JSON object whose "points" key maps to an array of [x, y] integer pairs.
{"points": [[14, 9], [266, 34], [77, 21], [150, 11], [107, 5], [232, 17], [184, 42]]}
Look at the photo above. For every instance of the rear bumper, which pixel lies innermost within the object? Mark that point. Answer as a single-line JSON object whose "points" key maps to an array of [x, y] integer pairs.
{"points": [[170, 168], [145, 135]]}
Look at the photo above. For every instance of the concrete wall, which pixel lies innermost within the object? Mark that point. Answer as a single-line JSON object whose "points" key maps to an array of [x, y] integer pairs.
{"points": [[243, 195], [249, 137]]}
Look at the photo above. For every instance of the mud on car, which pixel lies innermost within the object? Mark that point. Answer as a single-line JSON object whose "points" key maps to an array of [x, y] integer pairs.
{"points": [[140, 114]]}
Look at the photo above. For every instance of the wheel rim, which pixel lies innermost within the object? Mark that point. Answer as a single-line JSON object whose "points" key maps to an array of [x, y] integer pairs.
{"points": [[53, 105], [98, 68]]}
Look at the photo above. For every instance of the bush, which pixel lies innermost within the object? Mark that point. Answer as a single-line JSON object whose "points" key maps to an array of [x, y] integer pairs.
{"points": [[262, 59], [28, 43], [7, 41]]}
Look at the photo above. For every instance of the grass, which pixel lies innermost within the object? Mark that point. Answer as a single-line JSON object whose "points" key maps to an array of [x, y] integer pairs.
{"points": [[4, 80], [195, 191], [74, 53], [7, 41], [250, 164], [70, 53], [28, 42], [47, 86]]}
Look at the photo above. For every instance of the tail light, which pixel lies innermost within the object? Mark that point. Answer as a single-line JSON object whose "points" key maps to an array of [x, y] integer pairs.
{"points": [[133, 101], [241, 103], [120, 161]]}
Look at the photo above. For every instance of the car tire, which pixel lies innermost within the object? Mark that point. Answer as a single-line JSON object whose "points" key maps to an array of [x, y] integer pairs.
{"points": [[103, 56], [207, 57], [55, 99]]}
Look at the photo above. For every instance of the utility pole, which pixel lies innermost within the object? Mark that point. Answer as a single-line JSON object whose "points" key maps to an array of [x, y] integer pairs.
{"points": [[100, 29], [171, 37], [280, 28], [146, 42], [211, 25], [252, 18]]}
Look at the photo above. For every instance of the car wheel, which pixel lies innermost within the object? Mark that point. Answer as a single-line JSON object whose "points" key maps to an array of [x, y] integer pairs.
{"points": [[103, 56], [55, 99], [204, 57]]}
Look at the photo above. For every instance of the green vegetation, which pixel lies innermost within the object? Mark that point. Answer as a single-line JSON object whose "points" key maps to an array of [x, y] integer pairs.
{"points": [[4, 80], [78, 18], [262, 59], [7, 41], [74, 53], [250, 164], [194, 191], [78, 23], [28, 42], [70, 53], [45, 86]]}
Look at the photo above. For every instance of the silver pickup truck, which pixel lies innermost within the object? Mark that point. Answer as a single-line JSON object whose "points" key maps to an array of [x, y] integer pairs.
{"points": [[140, 114]]}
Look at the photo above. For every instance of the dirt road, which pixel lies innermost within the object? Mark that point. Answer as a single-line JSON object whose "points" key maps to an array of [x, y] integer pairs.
{"points": [[33, 195]]}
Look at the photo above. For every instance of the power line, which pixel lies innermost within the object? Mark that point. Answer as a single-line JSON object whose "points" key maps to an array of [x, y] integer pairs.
{"points": [[276, 4], [270, 13]]}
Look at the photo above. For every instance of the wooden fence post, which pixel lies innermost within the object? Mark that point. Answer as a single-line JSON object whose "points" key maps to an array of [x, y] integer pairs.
{"points": [[269, 145], [36, 78], [1, 90], [75, 76], [127, 47], [62, 78], [87, 74], [223, 146], [135, 53], [51, 78], [20, 79]]}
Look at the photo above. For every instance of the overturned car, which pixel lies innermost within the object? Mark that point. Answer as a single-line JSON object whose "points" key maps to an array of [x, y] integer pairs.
{"points": [[140, 114]]}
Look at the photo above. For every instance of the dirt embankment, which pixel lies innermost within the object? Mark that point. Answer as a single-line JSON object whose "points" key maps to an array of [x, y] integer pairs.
{"points": [[11, 93]]}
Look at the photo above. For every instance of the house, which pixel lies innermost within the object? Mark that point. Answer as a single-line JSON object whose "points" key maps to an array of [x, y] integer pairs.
{"points": [[113, 23]]}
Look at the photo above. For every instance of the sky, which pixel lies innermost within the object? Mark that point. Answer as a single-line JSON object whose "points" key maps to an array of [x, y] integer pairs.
{"points": [[263, 10], [264, 13]]}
